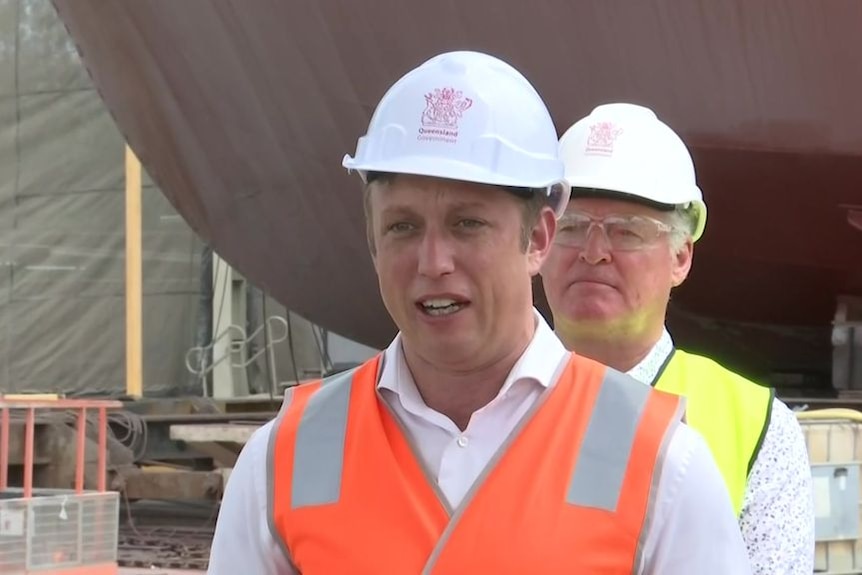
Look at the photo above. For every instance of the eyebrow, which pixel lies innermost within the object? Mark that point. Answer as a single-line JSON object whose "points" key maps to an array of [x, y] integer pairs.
{"points": [[397, 210]]}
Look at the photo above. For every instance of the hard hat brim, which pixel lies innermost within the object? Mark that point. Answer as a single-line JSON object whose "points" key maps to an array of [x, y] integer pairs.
{"points": [[449, 169], [579, 192], [446, 168]]}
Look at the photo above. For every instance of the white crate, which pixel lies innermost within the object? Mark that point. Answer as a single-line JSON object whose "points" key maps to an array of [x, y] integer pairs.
{"points": [[837, 442], [58, 529]]}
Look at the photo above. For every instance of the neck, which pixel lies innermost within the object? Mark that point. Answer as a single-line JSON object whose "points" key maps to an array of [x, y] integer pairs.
{"points": [[620, 357], [458, 392], [619, 351]]}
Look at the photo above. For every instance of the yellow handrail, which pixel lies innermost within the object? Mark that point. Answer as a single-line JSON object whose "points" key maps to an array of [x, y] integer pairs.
{"points": [[830, 413]]}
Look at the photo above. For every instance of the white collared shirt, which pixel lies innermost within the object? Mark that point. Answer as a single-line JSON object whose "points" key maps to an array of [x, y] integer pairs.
{"points": [[777, 518], [693, 531]]}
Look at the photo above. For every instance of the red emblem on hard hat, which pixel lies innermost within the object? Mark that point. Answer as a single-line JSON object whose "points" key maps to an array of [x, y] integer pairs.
{"points": [[444, 107], [602, 137]]}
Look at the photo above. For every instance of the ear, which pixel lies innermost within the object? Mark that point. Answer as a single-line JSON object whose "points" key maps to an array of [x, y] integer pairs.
{"points": [[682, 262], [374, 260], [372, 242], [541, 240], [368, 208]]}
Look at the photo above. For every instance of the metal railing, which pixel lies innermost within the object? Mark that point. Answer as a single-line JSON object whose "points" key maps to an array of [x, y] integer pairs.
{"points": [[199, 364], [57, 530]]}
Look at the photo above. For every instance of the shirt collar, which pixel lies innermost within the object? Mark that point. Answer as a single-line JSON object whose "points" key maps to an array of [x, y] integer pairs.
{"points": [[648, 369], [537, 364]]}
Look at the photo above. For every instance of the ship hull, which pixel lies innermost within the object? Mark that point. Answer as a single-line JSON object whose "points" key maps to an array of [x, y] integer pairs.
{"points": [[242, 110]]}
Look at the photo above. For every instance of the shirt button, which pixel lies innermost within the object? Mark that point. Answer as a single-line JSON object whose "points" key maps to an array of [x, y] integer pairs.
{"points": [[462, 441]]}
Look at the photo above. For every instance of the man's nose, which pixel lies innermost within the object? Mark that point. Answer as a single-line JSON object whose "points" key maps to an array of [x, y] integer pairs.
{"points": [[436, 257], [597, 247]]}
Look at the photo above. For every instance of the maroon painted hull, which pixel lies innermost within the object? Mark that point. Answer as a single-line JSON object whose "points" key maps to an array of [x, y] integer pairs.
{"points": [[242, 110]]}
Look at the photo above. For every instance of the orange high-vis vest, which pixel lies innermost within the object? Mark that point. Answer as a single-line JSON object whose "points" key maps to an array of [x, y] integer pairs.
{"points": [[569, 492]]}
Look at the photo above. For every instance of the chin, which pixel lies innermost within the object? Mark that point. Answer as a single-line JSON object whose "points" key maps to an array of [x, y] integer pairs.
{"points": [[438, 344], [593, 323], [451, 351], [593, 313]]}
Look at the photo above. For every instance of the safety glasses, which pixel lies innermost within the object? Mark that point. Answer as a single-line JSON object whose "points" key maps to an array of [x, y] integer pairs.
{"points": [[623, 232]]}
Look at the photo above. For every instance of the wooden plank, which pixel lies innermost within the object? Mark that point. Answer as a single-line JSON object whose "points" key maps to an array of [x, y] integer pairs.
{"points": [[195, 485], [134, 279], [214, 432]]}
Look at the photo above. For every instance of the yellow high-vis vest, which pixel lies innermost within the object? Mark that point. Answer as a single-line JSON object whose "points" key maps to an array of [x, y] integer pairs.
{"points": [[729, 411]]}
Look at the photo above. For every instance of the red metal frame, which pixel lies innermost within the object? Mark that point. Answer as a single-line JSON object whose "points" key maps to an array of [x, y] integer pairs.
{"points": [[79, 405]]}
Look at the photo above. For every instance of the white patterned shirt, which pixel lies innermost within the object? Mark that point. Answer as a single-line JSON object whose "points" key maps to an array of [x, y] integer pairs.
{"points": [[777, 519]]}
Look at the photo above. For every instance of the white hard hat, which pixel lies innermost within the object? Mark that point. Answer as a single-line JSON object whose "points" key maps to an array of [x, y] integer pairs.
{"points": [[464, 116], [625, 149]]}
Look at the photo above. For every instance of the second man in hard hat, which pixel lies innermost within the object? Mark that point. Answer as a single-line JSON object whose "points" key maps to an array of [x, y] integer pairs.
{"points": [[625, 241]]}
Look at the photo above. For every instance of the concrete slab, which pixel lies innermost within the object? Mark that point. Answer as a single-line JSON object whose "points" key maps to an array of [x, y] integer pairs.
{"points": [[214, 432]]}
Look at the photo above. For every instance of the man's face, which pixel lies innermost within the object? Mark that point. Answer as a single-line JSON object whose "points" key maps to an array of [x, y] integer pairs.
{"points": [[452, 269], [595, 290]]}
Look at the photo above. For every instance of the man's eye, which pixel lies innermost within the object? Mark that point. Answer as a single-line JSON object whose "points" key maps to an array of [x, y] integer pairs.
{"points": [[572, 227], [399, 227], [470, 223], [625, 232], [575, 229]]}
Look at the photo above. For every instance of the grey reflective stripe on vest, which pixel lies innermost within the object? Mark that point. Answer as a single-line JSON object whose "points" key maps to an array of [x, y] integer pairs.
{"points": [[602, 460], [318, 456], [270, 474]]}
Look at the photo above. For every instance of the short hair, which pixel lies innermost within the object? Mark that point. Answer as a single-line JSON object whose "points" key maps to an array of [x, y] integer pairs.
{"points": [[683, 220]]}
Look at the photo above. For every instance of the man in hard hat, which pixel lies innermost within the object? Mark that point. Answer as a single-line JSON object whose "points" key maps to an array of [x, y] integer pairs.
{"points": [[625, 241], [474, 443]]}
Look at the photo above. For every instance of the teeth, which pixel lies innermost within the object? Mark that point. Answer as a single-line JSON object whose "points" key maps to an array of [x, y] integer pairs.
{"points": [[438, 307], [438, 303], [443, 310]]}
